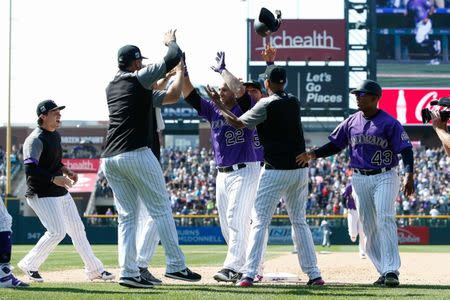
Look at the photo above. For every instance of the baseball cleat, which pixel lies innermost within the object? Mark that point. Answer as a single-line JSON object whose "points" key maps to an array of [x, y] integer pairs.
{"points": [[149, 277], [186, 275], [245, 282], [380, 281], [316, 281], [391, 280], [258, 279], [226, 275], [135, 282], [8, 280], [105, 275]]}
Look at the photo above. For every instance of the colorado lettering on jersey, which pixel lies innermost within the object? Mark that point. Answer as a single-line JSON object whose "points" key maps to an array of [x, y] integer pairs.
{"points": [[368, 139], [215, 124]]}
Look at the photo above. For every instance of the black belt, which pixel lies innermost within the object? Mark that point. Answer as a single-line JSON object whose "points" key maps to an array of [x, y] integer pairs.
{"points": [[231, 168], [270, 167], [371, 172]]}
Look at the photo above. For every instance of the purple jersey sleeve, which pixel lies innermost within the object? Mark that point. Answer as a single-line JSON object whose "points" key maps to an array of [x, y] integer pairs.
{"points": [[339, 136], [399, 139]]}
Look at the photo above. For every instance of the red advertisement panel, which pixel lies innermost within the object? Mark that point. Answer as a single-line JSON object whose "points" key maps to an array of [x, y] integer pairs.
{"points": [[413, 235], [85, 184], [405, 104], [82, 165], [302, 40]]}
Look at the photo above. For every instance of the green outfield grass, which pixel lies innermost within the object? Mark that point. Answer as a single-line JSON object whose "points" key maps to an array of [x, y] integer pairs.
{"points": [[426, 75], [65, 257]]}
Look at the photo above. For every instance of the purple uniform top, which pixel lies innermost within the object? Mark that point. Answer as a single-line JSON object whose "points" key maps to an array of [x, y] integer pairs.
{"points": [[231, 145], [374, 143], [259, 149], [348, 196]]}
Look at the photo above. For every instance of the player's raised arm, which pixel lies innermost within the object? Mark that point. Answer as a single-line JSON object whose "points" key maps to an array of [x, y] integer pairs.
{"points": [[232, 81], [174, 91]]}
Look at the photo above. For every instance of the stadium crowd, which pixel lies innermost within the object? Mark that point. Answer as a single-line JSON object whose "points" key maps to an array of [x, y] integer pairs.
{"points": [[191, 186]]}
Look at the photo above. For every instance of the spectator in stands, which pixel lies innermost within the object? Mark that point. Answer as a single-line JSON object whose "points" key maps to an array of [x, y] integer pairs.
{"points": [[419, 13]]}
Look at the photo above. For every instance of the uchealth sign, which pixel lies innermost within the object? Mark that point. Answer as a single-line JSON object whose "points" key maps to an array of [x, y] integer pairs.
{"points": [[406, 104], [317, 87], [413, 235], [301, 40], [82, 165]]}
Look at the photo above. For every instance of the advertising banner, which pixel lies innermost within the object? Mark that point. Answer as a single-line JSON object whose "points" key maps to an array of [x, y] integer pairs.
{"points": [[413, 235], [82, 165], [85, 184], [317, 87], [302, 40], [406, 104], [200, 235]]}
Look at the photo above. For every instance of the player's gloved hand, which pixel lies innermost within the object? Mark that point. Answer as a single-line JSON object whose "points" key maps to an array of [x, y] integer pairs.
{"points": [[408, 185], [63, 181], [220, 63]]}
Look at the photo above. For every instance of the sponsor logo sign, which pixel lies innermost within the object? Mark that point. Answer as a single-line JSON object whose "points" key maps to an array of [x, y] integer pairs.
{"points": [[82, 165], [303, 40], [413, 235], [406, 104]]}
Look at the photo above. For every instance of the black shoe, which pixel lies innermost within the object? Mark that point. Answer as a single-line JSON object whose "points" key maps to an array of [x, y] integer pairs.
{"points": [[186, 275], [135, 282], [391, 280], [380, 281], [35, 276], [225, 275], [316, 281], [149, 277], [236, 277]]}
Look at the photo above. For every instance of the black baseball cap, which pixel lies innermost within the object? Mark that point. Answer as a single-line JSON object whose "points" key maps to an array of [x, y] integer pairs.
{"points": [[368, 86], [275, 74], [46, 106], [128, 53], [253, 83]]}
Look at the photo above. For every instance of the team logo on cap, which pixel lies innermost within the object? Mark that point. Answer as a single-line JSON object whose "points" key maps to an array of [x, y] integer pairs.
{"points": [[137, 54], [42, 108]]}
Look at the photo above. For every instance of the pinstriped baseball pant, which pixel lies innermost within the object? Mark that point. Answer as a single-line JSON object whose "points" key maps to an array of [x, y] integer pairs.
{"points": [[376, 207], [5, 217], [147, 239], [292, 186], [136, 177], [236, 193], [59, 215]]}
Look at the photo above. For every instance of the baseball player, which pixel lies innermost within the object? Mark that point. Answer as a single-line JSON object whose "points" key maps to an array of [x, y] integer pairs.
{"points": [[130, 166], [238, 168], [375, 139], [354, 224], [48, 181], [7, 278], [326, 233], [277, 118]]}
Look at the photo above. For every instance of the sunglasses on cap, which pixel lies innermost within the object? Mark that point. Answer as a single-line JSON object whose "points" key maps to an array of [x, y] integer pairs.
{"points": [[361, 94]]}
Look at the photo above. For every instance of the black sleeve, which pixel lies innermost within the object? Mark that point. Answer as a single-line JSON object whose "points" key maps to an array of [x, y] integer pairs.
{"points": [[173, 56], [38, 173], [194, 100], [408, 159], [244, 102], [327, 150]]}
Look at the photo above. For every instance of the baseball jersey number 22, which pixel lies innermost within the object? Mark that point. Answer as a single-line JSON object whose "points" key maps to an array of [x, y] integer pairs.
{"points": [[234, 137], [382, 157]]}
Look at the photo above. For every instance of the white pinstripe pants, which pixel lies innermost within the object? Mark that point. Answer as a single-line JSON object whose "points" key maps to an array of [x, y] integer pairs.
{"points": [[136, 177], [59, 215], [376, 195], [292, 186], [5, 217], [355, 229], [148, 239], [235, 195]]}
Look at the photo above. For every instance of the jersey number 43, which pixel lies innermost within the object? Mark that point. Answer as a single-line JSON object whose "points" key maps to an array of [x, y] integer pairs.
{"points": [[382, 158]]}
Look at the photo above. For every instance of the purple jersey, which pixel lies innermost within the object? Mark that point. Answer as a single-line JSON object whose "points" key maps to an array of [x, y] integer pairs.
{"points": [[259, 149], [348, 196], [374, 143], [231, 145]]}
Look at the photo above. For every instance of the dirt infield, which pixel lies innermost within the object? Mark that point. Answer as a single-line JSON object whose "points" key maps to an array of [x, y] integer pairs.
{"points": [[336, 267]]}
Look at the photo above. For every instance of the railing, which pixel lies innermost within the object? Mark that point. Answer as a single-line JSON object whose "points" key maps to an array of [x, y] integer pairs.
{"points": [[313, 220]]}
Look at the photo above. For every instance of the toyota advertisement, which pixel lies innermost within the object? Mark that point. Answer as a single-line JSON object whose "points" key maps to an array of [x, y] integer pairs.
{"points": [[406, 104]]}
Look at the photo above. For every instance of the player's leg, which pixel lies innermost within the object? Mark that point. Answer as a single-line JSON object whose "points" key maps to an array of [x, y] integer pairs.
{"points": [[352, 220], [126, 203], [222, 203], [364, 187], [7, 278], [149, 181], [50, 213], [296, 196], [147, 240], [241, 190], [271, 186], [75, 229], [362, 240], [386, 191]]}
